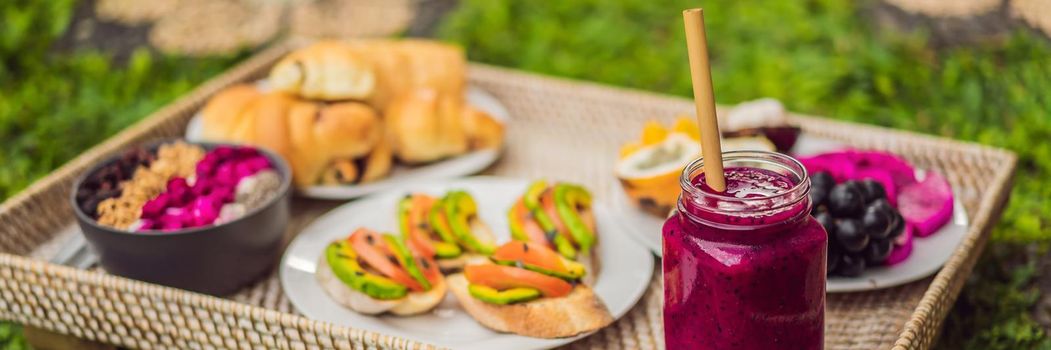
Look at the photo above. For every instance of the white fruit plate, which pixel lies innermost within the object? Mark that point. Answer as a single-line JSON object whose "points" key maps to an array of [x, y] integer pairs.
{"points": [[928, 253], [625, 271], [465, 164]]}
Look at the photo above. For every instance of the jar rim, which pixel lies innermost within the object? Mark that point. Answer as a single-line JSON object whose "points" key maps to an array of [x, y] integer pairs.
{"points": [[781, 160]]}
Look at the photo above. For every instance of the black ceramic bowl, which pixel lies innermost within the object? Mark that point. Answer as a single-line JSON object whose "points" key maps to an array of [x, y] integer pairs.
{"points": [[214, 259]]}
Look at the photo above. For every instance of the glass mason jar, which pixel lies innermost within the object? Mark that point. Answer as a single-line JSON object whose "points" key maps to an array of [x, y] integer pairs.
{"points": [[745, 268]]}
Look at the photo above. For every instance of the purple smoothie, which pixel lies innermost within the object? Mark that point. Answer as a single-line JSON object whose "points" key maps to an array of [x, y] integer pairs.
{"points": [[745, 269]]}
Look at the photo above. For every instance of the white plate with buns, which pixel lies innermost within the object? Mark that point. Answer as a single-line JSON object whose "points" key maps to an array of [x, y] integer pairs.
{"points": [[626, 267], [469, 163]]}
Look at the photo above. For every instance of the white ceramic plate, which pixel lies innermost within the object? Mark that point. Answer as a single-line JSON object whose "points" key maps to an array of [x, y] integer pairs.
{"points": [[625, 272], [928, 255], [466, 164]]}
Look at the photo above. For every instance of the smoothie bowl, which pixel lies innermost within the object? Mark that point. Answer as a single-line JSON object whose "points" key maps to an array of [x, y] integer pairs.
{"points": [[199, 216]]}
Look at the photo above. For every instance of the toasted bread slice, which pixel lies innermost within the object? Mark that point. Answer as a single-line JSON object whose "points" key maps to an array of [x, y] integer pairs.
{"points": [[412, 304], [579, 312]]}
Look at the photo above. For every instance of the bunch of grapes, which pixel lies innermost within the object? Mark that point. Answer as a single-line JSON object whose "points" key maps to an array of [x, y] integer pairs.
{"points": [[860, 222]]}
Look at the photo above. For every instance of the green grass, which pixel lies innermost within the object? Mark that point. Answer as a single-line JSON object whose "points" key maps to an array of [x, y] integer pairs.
{"points": [[54, 106], [820, 57]]}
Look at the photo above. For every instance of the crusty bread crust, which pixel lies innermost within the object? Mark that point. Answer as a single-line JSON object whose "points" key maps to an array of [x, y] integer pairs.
{"points": [[348, 297], [413, 304], [579, 312]]}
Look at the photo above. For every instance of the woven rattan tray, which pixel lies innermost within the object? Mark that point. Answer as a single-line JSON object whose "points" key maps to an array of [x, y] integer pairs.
{"points": [[563, 130]]}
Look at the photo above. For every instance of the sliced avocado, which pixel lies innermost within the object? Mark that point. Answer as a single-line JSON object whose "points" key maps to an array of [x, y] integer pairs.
{"points": [[567, 199], [516, 225], [440, 223], [442, 249], [564, 247], [510, 296], [404, 207], [445, 250], [344, 263], [401, 252], [532, 202], [574, 270], [460, 209]]}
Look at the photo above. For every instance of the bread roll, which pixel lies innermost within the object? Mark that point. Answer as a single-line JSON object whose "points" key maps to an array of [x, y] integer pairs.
{"points": [[579, 312], [326, 70], [376, 71], [321, 134], [424, 126], [483, 132], [404, 65], [222, 116]]}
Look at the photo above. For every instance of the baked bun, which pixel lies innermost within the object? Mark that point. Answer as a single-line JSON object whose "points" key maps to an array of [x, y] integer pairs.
{"points": [[320, 134], [222, 115], [483, 132], [577, 313], [326, 70], [424, 126], [312, 137]]}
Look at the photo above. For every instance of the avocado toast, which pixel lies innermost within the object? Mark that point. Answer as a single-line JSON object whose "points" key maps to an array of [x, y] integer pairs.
{"points": [[529, 289], [372, 273], [447, 229], [557, 216]]}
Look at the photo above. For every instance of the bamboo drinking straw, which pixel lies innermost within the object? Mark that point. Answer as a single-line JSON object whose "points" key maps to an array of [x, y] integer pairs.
{"points": [[704, 98]]}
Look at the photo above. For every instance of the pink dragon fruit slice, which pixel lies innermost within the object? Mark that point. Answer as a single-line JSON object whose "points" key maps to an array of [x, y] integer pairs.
{"points": [[258, 163], [204, 211], [243, 169], [902, 247], [170, 222], [154, 207], [225, 175], [840, 168], [224, 152], [900, 170], [927, 205]]}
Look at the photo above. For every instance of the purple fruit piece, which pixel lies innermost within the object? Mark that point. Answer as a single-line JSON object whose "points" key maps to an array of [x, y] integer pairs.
{"points": [[225, 175], [259, 163], [154, 207], [202, 186], [902, 247], [170, 222], [204, 211], [206, 167], [783, 137], [900, 170], [927, 205], [884, 178], [222, 194], [177, 183], [147, 225], [247, 152], [243, 169], [224, 152], [839, 167]]}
